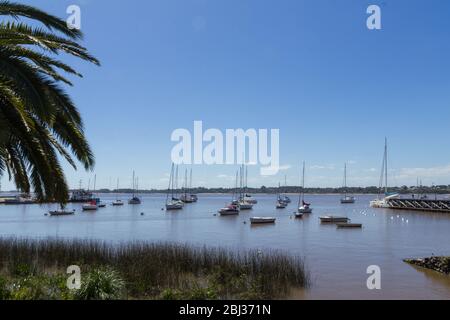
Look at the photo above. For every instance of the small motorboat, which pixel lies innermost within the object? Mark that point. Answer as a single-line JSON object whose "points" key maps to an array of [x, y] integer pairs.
{"points": [[248, 198], [262, 220], [134, 200], [91, 206], [185, 198], [61, 212], [281, 204], [101, 205], [348, 200], [174, 205], [299, 215], [334, 219], [118, 203], [349, 225], [244, 205], [231, 210]]}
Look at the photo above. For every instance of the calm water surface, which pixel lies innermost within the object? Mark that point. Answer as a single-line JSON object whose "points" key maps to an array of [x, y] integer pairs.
{"points": [[336, 259]]}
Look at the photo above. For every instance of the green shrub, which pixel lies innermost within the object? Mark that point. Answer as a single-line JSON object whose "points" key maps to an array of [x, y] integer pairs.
{"points": [[5, 293], [101, 284]]}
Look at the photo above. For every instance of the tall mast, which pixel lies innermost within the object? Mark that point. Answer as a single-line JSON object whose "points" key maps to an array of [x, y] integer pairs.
{"points": [[386, 167], [117, 190], [185, 184], [176, 181], [345, 179], [95, 183], [190, 182], [303, 182], [134, 182], [170, 185]]}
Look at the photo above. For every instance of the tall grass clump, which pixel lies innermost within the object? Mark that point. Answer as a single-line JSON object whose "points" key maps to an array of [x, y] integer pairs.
{"points": [[157, 270]]}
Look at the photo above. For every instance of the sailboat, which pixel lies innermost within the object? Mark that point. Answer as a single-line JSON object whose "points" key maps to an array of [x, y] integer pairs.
{"points": [[243, 204], [281, 204], [233, 208], [384, 202], [303, 207], [172, 203], [135, 199], [248, 197], [346, 199], [194, 197], [93, 204], [186, 196], [284, 197], [117, 202]]}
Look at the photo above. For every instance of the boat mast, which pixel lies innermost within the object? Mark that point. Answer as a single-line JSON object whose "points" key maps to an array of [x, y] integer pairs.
{"points": [[386, 167], [190, 183], [134, 182], [170, 188], [95, 183], [303, 182], [185, 184], [345, 180], [117, 190]]}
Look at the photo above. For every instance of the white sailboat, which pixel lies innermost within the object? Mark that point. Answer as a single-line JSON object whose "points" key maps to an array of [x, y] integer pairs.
{"points": [[248, 197], [303, 207], [384, 202], [346, 199], [93, 204], [117, 202], [194, 197], [233, 208], [281, 204], [243, 203], [172, 203], [186, 197], [135, 199]]}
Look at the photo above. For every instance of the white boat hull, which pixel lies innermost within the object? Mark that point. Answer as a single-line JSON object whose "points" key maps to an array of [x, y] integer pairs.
{"points": [[304, 210], [174, 206], [245, 206]]}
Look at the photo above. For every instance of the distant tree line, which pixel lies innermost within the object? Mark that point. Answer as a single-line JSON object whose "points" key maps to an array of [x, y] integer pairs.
{"points": [[441, 189]]}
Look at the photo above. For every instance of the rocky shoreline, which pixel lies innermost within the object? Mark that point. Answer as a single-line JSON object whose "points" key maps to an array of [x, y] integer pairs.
{"points": [[439, 264]]}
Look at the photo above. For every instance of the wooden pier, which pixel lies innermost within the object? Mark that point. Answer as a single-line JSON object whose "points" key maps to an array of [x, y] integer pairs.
{"points": [[420, 205]]}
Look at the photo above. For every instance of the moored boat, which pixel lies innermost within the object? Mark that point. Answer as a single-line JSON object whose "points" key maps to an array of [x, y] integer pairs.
{"points": [[384, 202], [231, 210], [117, 203], [303, 206], [174, 205], [62, 212], [262, 220], [91, 206], [281, 205], [334, 219], [346, 199], [135, 199], [243, 204], [19, 200], [172, 201], [349, 225]]}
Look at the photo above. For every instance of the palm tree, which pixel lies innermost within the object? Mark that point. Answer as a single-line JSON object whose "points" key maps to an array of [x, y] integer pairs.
{"points": [[39, 123]]}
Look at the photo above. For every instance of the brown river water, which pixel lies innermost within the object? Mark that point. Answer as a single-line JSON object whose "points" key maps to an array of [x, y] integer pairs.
{"points": [[336, 259]]}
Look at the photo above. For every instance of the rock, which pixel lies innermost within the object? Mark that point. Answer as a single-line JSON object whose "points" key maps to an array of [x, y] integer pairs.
{"points": [[439, 264]]}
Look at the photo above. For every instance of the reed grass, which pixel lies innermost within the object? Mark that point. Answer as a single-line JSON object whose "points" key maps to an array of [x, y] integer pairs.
{"points": [[162, 270]]}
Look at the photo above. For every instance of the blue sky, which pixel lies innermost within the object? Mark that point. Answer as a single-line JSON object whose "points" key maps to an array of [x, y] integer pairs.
{"points": [[310, 68]]}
